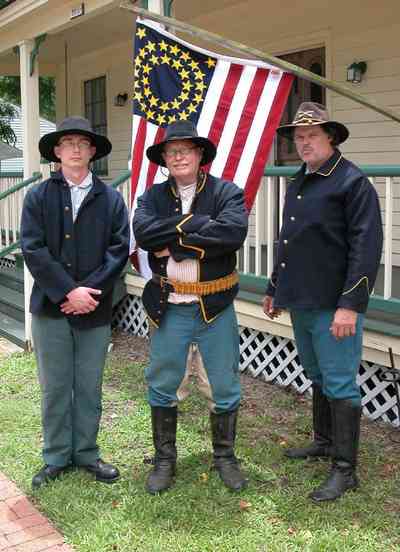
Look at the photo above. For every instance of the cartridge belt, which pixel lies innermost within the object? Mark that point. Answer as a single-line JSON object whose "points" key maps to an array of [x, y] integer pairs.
{"points": [[198, 288]]}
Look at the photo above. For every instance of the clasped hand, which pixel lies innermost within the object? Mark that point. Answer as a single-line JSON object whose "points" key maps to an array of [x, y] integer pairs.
{"points": [[80, 301]]}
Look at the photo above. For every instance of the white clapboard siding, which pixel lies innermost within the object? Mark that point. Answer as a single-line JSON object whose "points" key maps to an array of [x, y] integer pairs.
{"points": [[17, 164]]}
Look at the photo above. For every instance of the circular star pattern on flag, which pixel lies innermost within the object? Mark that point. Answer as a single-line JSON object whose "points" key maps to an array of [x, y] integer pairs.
{"points": [[187, 76]]}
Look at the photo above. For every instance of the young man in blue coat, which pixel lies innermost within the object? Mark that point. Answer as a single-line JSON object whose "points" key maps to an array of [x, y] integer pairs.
{"points": [[328, 256], [192, 226], [75, 242]]}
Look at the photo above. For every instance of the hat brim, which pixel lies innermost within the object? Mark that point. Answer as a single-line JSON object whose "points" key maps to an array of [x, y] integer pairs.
{"points": [[154, 153], [287, 131], [48, 142]]}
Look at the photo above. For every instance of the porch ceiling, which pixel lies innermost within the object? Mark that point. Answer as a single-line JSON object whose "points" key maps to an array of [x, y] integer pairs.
{"points": [[257, 23], [82, 37]]}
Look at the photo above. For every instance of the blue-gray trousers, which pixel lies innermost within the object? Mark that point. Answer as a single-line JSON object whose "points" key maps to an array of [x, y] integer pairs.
{"points": [[70, 367], [330, 363], [185, 346]]}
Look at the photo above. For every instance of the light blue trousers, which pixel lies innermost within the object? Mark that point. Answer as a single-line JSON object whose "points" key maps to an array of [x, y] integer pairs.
{"points": [[218, 345], [70, 367], [331, 363]]}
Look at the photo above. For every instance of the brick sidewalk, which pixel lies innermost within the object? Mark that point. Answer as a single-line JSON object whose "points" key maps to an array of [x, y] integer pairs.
{"points": [[22, 527]]}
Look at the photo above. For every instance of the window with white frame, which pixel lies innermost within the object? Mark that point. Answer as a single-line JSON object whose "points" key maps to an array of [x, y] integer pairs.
{"points": [[96, 112]]}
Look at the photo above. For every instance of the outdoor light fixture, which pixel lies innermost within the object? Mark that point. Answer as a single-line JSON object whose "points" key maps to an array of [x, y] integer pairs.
{"points": [[355, 71], [121, 99]]}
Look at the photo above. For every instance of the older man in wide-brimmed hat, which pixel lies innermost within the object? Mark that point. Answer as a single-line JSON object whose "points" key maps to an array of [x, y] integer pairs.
{"points": [[328, 257], [75, 240], [192, 226]]}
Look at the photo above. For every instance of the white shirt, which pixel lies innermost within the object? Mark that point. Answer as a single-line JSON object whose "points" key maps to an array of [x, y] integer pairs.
{"points": [[79, 192], [186, 270]]}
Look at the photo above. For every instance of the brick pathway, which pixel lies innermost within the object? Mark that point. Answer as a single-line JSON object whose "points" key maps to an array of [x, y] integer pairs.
{"points": [[22, 527]]}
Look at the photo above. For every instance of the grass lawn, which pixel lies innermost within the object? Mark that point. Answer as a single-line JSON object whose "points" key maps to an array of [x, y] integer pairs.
{"points": [[199, 514]]}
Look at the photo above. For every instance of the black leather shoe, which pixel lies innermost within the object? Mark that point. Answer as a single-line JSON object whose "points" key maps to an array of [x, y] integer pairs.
{"points": [[46, 474], [106, 473]]}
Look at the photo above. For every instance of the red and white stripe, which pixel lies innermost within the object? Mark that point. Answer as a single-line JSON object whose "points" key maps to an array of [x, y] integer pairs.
{"points": [[241, 110]]}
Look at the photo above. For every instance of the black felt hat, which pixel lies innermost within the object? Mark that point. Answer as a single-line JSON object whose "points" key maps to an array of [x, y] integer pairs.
{"points": [[182, 130], [73, 125]]}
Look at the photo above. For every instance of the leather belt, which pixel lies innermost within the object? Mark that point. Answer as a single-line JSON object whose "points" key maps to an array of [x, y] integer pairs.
{"points": [[198, 288]]}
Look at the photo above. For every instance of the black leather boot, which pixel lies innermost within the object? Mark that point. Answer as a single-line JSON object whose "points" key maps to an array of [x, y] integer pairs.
{"points": [[346, 436], [322, 425], [223, 428], [164, 421]]}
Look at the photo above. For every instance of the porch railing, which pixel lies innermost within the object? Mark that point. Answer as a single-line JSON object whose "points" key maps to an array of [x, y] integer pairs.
{"points": [[266, 219], [11, 200], [257, 256]]}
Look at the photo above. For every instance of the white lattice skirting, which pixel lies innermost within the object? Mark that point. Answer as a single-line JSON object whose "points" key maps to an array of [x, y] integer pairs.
{"points": [[6, 262], [275, 360]]}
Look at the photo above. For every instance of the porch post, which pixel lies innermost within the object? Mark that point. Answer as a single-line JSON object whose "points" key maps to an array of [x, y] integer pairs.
{"points": [[155, 6], [30, 136]]}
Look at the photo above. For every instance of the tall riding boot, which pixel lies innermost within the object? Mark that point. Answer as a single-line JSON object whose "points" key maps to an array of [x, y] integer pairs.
{"points": [[223, 428], [346, 436], [164, 421], [322, 425]]}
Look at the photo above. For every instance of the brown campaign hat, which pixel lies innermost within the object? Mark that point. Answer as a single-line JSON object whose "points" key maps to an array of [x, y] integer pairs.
{"points": [[312, 114]]}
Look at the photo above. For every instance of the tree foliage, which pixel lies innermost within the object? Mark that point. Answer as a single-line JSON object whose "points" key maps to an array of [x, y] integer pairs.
{"points": [[10, 90], [7, 113], [4, 3]]}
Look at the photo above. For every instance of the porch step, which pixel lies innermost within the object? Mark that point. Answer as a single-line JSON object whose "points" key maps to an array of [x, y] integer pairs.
{"points": [[12, 316], [12, 303], [12, 329], [12, 278]]}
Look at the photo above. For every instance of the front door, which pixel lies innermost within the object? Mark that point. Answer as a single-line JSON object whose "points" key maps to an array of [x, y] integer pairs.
{"points": [[302, 91]]}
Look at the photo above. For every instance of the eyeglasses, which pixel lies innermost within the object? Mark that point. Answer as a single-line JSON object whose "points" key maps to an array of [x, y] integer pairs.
{"points": [[70, 144], [182, 152]]}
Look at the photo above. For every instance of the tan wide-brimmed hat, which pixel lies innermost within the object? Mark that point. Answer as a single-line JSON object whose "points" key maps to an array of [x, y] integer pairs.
{"points": [[312, 114]]}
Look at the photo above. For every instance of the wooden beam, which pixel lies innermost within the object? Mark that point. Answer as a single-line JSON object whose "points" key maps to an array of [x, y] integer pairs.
{"points": [[248, 51]]}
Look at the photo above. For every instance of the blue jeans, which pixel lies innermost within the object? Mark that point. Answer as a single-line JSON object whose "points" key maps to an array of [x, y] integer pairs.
{"points": [[217, 349], [328, 362]]}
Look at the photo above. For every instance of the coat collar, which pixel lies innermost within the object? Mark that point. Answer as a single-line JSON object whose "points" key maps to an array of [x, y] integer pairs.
{"points": [[97, 188], [201, 182], [325, 170]]}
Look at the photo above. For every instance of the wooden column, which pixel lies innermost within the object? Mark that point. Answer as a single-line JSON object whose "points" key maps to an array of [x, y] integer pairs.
{"points": [[31, 135]]}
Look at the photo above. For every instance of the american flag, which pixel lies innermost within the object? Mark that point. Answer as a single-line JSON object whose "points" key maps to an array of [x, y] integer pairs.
{"points": [[236, 103]]}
